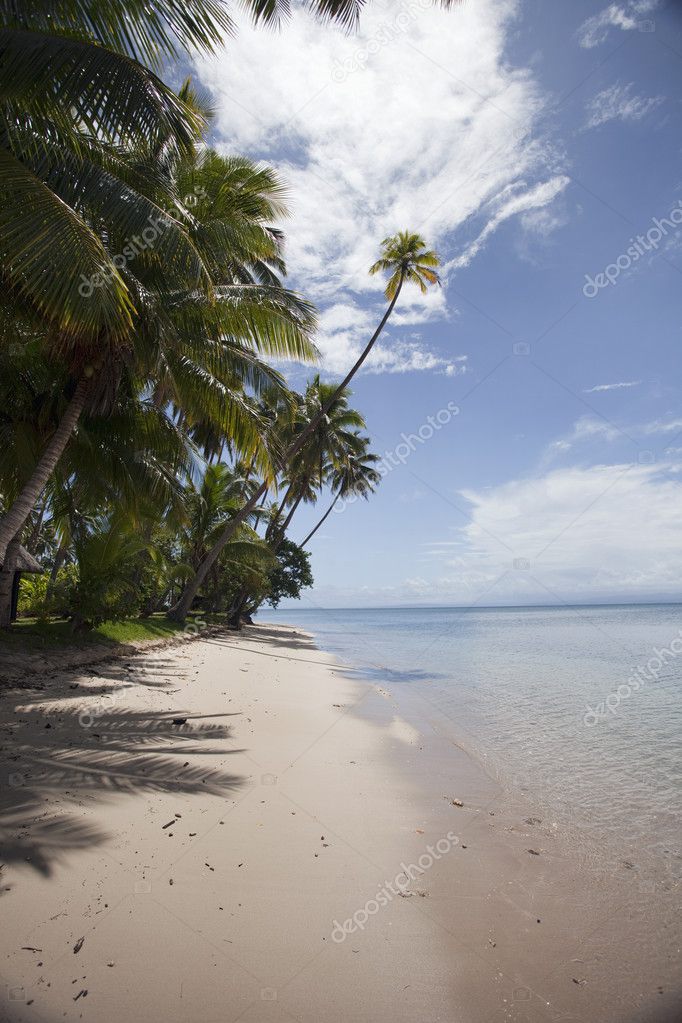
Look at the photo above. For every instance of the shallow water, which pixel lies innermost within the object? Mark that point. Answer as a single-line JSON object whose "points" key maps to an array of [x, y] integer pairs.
{"points": [[534, 692]]}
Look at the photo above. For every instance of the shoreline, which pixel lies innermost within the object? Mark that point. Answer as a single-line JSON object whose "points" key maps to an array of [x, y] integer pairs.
{"points": [[210, 861]]}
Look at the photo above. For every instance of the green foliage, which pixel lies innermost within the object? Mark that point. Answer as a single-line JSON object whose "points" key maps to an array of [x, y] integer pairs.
{"points": [[405, 257], [28, 633], [39, 598], [32, 596], [165, 344], [108, 585], [290, 575]]}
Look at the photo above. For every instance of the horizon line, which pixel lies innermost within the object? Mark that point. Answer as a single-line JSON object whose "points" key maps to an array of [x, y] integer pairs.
{"points": [[481, 607]]}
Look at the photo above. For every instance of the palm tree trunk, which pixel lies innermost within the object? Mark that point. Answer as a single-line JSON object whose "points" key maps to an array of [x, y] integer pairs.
{"points": [[326, 515], [7, 581], [32, 542], [259, 512], [285, 525], [59, 559], [179, 612], [20, 510], [276, 517]]}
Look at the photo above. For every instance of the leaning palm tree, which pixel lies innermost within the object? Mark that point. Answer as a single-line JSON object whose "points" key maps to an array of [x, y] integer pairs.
{"points": [[74, 96], [196, 350], [75, 103], [355, 477], [325, 449], [406, 259]]}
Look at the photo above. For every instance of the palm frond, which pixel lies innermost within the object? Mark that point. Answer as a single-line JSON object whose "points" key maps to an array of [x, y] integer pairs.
{"points": [[83, 87], [49, 236], [149, 30]]}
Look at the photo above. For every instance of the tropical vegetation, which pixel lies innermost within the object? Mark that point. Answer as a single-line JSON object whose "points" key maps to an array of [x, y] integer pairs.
{"points": [[152, 455]]}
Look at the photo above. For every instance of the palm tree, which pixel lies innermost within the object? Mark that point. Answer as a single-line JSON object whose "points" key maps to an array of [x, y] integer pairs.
{"points": [[75, 100], [198, 351], [325, 448], [356, 476], [405, 257], [220, 491], [75, 105], [345, 12]]}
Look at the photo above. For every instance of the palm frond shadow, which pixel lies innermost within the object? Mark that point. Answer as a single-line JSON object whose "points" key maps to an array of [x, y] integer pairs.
{"points": [[48, 843], [154, 672], [110, 753]]}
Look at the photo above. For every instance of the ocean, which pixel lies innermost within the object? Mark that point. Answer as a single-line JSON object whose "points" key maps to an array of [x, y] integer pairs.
{"points": [[579, 708]]}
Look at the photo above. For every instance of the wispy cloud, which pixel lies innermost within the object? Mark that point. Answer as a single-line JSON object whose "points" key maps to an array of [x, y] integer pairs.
{"points": [[628, 16], [589, 429], [345, 328], [525, 201], [589, 426], [661, 426], [577, 528], [452, 149], [619, 103], [612, 387], [572, 534]]}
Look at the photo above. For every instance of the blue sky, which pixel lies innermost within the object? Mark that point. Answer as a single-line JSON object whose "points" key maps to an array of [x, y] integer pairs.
{"points": [[531, 144]]}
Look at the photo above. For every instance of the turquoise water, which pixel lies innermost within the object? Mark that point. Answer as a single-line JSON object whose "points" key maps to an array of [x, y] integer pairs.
{"points": [[579, 707]]}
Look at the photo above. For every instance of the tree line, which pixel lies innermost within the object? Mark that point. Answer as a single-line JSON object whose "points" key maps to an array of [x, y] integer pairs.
{"points": [[152, 454]]}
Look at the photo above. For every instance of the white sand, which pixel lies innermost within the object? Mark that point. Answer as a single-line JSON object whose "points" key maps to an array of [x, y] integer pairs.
{"points": [[296, 792]]}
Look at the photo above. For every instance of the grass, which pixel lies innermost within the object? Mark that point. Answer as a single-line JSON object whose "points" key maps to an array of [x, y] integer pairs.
{"points": [[32, 635]]}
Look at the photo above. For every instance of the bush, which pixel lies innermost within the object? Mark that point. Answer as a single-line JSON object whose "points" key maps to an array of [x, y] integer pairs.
{"points": [[290, 575], [32, 594], [39, 599]]}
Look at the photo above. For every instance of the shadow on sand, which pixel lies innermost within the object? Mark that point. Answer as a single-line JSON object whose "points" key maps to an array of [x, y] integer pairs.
{"points": [[61, 743], [277, 639]]}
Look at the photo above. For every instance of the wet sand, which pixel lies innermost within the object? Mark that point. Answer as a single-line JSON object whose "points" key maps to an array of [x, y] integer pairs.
{"points": [[239, 828]]}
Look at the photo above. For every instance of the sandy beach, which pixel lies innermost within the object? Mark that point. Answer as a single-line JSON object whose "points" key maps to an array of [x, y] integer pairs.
{"points": [[239, 828]]}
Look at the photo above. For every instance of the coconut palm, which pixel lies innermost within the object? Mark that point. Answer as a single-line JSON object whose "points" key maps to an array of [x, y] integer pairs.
{"points": [[354, 477], [209, 504], [197, 351], [406, 259], [75, 105], [344, 12], [325, 449], [75, 101]]}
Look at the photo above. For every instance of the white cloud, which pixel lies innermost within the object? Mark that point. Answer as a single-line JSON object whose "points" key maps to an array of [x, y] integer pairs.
{"points": [[543, 222], [524, 202], [420, 123], [585, 532], [590, 428], [625, 16], [662, 426], [612, 387], [570, 535], [345, 329], [619, 103], [587, 426], [586, 429]]}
